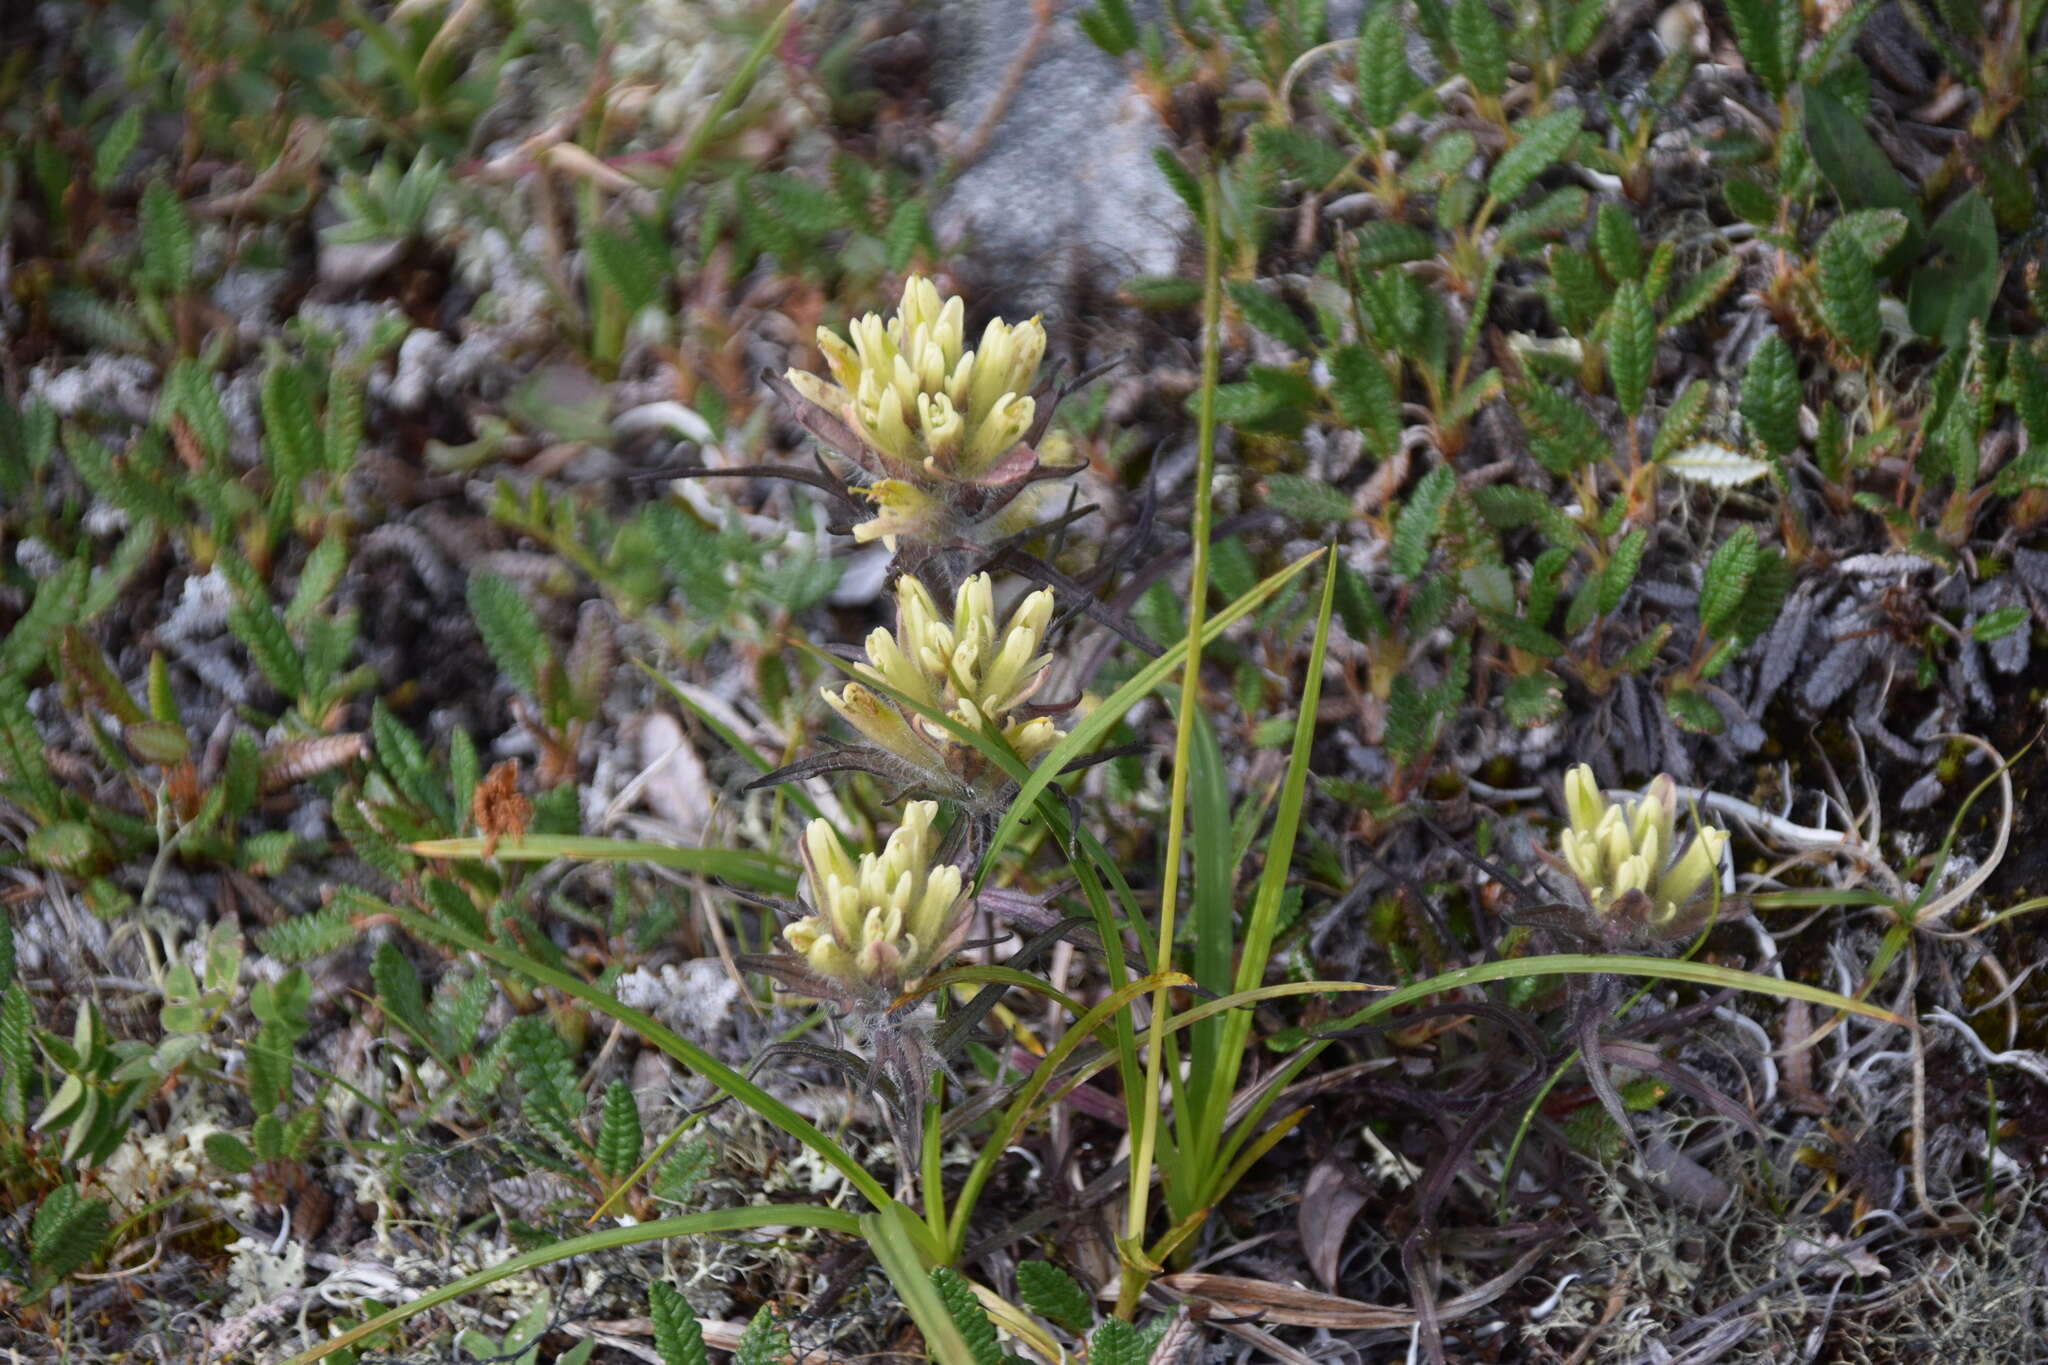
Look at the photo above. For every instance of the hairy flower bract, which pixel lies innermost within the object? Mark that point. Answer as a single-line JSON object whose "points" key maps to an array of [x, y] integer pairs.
{"points": [[1613, 849], [937, 427], [970, 667], [886, 920]]}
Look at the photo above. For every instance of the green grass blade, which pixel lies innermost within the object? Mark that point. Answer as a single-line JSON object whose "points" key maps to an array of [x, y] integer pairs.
{"points": [[1589, 964], [890, 1232], [1097, 724], [691, 1225], [1215, 920], [1262, 925], [737, 866]]}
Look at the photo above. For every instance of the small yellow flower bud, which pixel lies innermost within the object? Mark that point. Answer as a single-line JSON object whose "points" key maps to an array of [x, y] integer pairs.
{"points": [[1582, 799], [1701, 860]]}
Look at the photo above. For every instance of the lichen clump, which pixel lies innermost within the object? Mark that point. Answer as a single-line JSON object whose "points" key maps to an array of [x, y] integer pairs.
{"points": [[884, 922]]}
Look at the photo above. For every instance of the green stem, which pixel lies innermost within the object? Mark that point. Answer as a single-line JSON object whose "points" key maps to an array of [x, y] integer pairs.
{"points": [[1145, 1146]]}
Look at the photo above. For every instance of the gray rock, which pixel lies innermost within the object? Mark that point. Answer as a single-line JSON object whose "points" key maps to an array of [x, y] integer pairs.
{"points": [[1064, 200]]}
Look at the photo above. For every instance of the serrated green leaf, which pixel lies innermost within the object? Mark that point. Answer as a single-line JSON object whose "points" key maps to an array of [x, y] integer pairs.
{"points": [[1848, 291], [68, 1231], [1365, 398], [688, 1164], [1726, 579], [1309, 501], [1621, 569], [1535, 699], [968, 1315], [1619, 244], [1580, 292], [764, 1342], [618, 1133], [1540, 142], [678, 1337], [398, 989], [1481, 47], [166, 239], [547, 1081], [1682, 421], [291, 436], [1180, 180], [908, 228], [1562, 435], [1053, 1294], [230, 1153], [55, 605], [17, 1056], [1270, 314], [304, 937], [1770, 395], [1701, 290], [1692, 710], [1758, 28], [1562, 210], [1389, 242], [1416, 525], [510, 630], [1116, 1342], [116, 147], [1300, 154], [1110, 26], [1385, 81], [1446, 154], [1631, 346]]}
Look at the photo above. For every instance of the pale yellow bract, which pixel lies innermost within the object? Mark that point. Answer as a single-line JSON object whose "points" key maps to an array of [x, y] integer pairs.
{"points": [[916, 395], [970, 667], [1613, 849], [886, 920], [929, 411]]}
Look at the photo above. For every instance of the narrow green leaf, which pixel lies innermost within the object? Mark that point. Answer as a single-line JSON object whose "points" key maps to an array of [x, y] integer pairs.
{"points": [[1540, 142], [1726, 579], [1631, 346], [1770, 395]]}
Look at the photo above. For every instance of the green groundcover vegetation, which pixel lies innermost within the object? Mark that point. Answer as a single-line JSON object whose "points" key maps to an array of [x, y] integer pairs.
{"points": [[610, 751]]}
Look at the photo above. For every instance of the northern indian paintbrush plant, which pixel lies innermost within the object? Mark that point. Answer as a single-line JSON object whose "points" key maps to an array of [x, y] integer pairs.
{"points": [[881, 923], [974, 667], [1626, 880], [947, 446]]}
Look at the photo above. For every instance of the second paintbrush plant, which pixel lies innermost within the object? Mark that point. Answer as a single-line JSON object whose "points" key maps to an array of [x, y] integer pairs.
{"points": [[972, 667]]}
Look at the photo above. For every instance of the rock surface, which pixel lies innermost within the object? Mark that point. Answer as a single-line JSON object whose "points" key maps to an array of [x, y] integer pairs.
{"points": [[1064, 200]]}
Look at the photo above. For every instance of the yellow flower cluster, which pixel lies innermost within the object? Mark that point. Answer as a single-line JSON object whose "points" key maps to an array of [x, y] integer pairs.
{"points": [[886, 920], [912, 391], [1613, 849], [940, 430], [970, 668]]}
